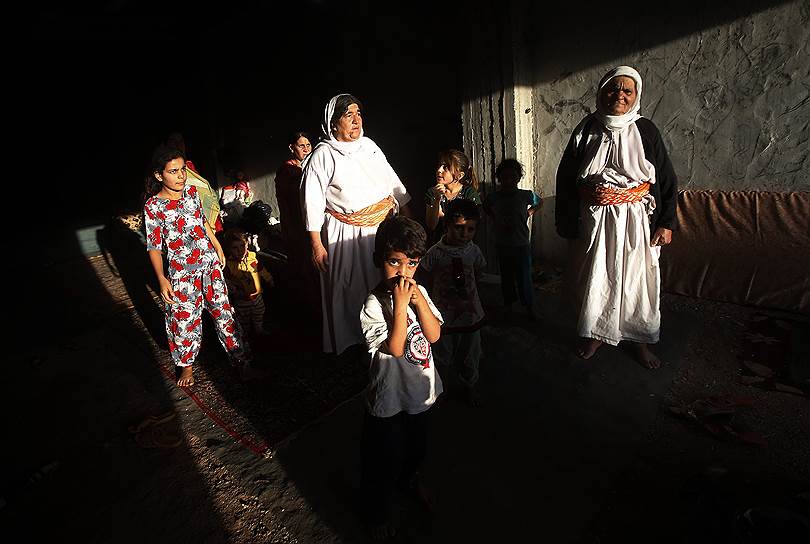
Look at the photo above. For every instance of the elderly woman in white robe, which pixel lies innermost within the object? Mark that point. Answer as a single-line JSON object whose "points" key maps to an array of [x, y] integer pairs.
{"points": [[616, 196], [347, 189]]}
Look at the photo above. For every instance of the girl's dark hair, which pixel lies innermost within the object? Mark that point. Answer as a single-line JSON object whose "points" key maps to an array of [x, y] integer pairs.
{"points": [[297, 135], [341, 107], [161, 155], [459, 162], [508, 164], [461, 207], [399, 233]]}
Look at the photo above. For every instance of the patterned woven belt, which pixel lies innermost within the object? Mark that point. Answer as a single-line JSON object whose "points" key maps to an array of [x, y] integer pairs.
{"points": [[367, 217], [603, 195]]}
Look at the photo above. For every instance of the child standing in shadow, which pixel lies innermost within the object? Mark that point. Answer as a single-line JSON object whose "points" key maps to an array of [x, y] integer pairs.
{"points": [[454, 266], [510, 209], [244, 275]]}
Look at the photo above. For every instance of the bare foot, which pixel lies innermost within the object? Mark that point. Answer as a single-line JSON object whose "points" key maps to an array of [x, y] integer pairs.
{"points": [[589, 347], [647, 358], [384, 531], [186, 378]]}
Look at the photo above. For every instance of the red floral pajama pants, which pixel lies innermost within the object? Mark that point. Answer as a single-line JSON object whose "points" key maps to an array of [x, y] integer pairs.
{"points": [[194, 291]]}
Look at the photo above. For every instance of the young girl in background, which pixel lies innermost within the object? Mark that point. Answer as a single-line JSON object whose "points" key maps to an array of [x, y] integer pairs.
{"points": [[454, 179], [174, 219]]}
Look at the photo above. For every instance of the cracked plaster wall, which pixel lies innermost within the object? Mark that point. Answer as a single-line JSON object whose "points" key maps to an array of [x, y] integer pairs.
{"points": [[732, 103]]}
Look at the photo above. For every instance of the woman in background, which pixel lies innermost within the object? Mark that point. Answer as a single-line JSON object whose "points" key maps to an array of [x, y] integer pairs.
{"points": [[296, 239]]}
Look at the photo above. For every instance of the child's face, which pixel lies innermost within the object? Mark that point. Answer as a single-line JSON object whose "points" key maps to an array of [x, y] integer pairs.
{"points": [[237, 250], [173, 176], [445, 174], [460, 231], [509, 177], [397, 263]]}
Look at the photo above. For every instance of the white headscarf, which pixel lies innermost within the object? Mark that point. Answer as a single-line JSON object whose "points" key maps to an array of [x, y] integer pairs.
{"points": [[346, 148], [619, 122], [617, 157]]}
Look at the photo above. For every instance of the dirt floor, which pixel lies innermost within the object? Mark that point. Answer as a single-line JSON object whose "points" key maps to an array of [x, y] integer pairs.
{"points": [[560, 451]]}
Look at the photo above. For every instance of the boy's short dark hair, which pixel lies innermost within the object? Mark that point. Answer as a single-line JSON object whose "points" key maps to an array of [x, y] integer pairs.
{"points": [[399, 233], [461, 207]]}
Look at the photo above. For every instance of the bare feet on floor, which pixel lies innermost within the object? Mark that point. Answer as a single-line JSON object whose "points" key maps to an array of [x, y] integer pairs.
{"points": [[186, 378], [647, 358], [589, 347]]}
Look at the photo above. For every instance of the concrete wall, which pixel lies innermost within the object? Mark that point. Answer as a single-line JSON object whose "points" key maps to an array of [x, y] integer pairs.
{"points": [[729, 88]]}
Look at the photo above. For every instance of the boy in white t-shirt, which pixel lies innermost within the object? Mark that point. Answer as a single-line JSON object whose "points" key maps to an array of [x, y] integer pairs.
{"points": [[399, 322]]}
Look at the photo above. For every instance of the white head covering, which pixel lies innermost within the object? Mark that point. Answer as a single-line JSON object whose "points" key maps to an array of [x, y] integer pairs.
{"points": [[346, 148], [345, 176], [617, 158], [618, 122]]}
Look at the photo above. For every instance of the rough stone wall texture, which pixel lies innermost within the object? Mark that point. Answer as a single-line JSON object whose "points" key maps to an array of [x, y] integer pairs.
{"points": [[732, 103], [731, 99]]}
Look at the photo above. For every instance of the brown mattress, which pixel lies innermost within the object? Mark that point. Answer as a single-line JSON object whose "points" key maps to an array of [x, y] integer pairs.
{"points": [[746, 247]]}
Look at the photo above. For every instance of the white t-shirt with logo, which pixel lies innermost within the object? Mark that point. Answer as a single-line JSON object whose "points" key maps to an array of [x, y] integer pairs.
{"points": [[398, 384]]}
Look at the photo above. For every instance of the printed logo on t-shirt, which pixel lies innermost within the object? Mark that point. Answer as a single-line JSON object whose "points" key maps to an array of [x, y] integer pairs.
{"points": [[417, 348]]}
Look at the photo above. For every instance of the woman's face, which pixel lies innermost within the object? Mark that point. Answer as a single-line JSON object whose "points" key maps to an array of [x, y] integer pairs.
{"points": [[619, 95], [301, 148], [349, 125]]}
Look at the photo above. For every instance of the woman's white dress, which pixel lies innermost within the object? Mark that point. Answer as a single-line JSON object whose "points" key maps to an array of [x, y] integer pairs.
{"points": [[619, 275], [346, 178]]}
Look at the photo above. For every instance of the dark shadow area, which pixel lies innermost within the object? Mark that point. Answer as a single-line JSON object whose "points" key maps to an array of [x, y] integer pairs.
{"points": [[80, 372], [124, 251], [564, 38], [707, 504], [547, 445]]}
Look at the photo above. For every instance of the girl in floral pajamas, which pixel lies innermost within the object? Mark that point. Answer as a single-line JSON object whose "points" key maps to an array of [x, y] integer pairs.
{"points": [[173, 217]]}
